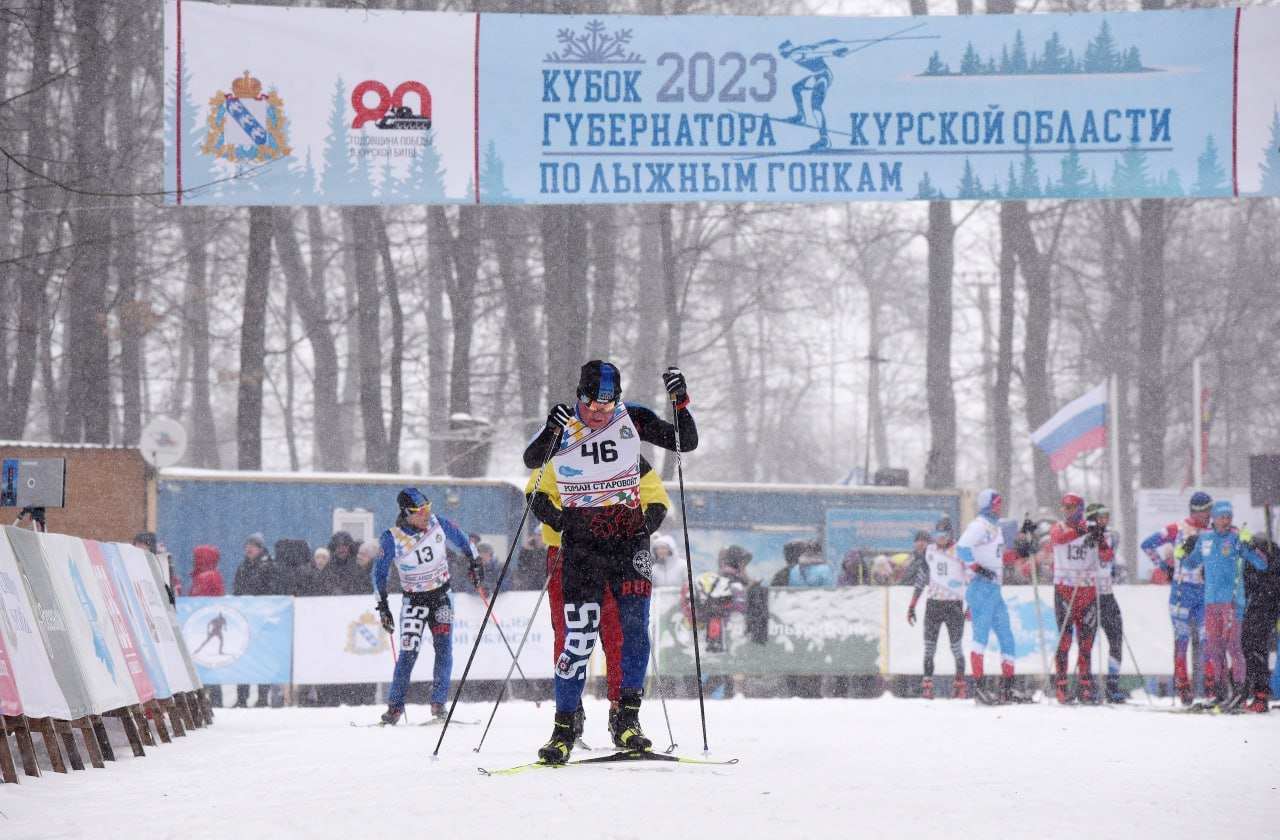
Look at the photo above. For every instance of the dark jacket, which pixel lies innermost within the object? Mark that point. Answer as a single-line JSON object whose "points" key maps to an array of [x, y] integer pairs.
{"points": [[353, 579], [315, 582], [260, 577]]}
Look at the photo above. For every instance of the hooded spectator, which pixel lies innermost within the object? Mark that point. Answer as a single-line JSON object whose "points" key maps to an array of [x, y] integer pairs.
{"points": [[881, 570], [342, 553], [668, 566], [319, 578], [812, 570], [853, 569], [206, 580], [791, 552]]}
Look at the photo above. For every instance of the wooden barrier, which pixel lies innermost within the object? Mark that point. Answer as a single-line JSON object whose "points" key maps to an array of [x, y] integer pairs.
{"points": [[8, 769], [21, 730], [90, 739]]}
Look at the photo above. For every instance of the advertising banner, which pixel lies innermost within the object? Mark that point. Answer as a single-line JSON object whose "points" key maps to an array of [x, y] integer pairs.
{"points": [[177, 658], [333, 106], [144, 634], [90, 623], [811, 631], [28, 684], [239, 639], [119, 622], [1146, 628], [340, 640], [873, 530], [59, 642], [156, 609]]}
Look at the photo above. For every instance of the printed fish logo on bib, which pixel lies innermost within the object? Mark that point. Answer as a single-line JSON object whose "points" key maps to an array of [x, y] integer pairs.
{"points": [[604, 464], [246, 125]]}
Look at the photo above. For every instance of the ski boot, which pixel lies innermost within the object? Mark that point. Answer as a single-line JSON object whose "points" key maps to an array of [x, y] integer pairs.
{"points": [[556, 751], [1010, 693], [1258, 705], [1230, 698], [392, 715], [1114, 693], [1185, 696], [926, 688], [1088, 691], [959, 690], [986, 690], [437, 711], [625, 728], [1063, 692]]}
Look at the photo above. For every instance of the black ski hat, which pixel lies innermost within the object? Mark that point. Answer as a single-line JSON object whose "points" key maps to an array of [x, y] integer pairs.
{"points": [[600, 381]]}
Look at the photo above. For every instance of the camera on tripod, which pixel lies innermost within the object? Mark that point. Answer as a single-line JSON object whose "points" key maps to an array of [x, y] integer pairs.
{"points": [[33, 484]]}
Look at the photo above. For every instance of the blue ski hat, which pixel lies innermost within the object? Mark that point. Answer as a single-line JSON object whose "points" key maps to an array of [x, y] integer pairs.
{"points": [[1200, 501], [1222, 508], [600, 381]]}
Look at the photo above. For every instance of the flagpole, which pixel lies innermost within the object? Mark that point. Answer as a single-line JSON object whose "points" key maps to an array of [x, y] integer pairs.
{"points": [[1113, 445], [1197, 413]]}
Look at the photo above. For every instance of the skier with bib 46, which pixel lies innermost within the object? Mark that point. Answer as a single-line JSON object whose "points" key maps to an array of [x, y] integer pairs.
{"points": [[594, 453]]}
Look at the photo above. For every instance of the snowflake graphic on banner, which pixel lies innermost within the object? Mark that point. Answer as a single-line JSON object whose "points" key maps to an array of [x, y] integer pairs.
{"points": [[594, 46]]}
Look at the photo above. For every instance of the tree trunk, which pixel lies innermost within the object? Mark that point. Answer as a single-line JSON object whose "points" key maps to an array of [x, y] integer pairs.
{"points": [[505, 228], [438, 279], [253, 338], [604, 253], [328, 449], [940, 471], [1002, 413], [396, 363], [133, 315], [203, 446], [1152, 405], [465, 252], [32, 283], [565, 304], [88, 406], [1035, 364], [364, 245]]}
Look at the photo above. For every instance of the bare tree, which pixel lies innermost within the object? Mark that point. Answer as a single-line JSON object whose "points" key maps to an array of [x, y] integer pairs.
{"points": [[253, 332]]}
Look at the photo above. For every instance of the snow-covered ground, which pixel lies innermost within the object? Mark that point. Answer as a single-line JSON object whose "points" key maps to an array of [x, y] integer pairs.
{"points": [[809, 768]]}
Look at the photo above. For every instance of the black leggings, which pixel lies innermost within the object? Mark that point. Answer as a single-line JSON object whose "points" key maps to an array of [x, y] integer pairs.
{"points": [[936, 614], [1113, 626]]}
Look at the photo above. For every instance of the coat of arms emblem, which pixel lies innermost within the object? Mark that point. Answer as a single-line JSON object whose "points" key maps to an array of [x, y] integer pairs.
{"points": [[246, 125]]}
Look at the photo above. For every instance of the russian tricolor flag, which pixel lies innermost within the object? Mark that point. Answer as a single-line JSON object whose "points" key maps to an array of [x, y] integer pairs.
{"points": [[1079, 426]]}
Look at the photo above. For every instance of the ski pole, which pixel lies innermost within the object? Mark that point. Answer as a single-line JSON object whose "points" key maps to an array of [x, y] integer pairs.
{"points": [[498, 626], [497, 589], [395, 660], [662, 698], [688, 562], [555, 569]]}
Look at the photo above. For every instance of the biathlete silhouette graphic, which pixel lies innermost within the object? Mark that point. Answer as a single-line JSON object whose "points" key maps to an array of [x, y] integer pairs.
{"points": [[810, 93], [213, 631]]}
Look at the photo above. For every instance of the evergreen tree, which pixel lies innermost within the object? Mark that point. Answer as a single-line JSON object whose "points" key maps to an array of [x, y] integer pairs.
{"points": [[1211, 178], [424, 182], [1055, 57], [1172, 184], [1100, 56], [926, 190], [1072, 176], [1018, 57], [199, 170], [1013, 189], [493, 186], [936, 67], [338, 177], [1132, 61], [1004, 60], [1029, 182], [1130, 178], [970, 63], [1271, 159], [970, 186]]}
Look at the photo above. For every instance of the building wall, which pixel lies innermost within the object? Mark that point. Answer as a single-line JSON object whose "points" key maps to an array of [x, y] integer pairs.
{"points": [[106, 492]]}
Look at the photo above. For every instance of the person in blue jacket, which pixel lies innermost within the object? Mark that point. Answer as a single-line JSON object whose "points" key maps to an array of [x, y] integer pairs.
{"points": [[812, 571], [415, 545], [1223, 551], [1186, 577]]}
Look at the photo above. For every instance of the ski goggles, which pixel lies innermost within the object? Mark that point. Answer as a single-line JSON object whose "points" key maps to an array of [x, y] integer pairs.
{"points": [[415, 501], [597, 405]]}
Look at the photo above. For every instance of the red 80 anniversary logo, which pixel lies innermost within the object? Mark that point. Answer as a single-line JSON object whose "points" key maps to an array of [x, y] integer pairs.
{"points": [[389, 110]]}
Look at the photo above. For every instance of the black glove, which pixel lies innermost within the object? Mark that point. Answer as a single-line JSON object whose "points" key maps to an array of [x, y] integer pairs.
{"points": [[674, 382], [653, 516], [1189, 544], [476, 572], [1028, 527], [559, 417], [983, 572], [911, 615], [384, 613], [1091, 540]]}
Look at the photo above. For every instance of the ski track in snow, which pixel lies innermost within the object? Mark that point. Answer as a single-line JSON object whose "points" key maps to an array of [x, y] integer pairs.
{"points": [[809, 768]]}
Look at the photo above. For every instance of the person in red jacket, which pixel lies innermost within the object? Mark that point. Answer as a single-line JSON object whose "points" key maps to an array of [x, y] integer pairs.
{"points": [[206, 580]]}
